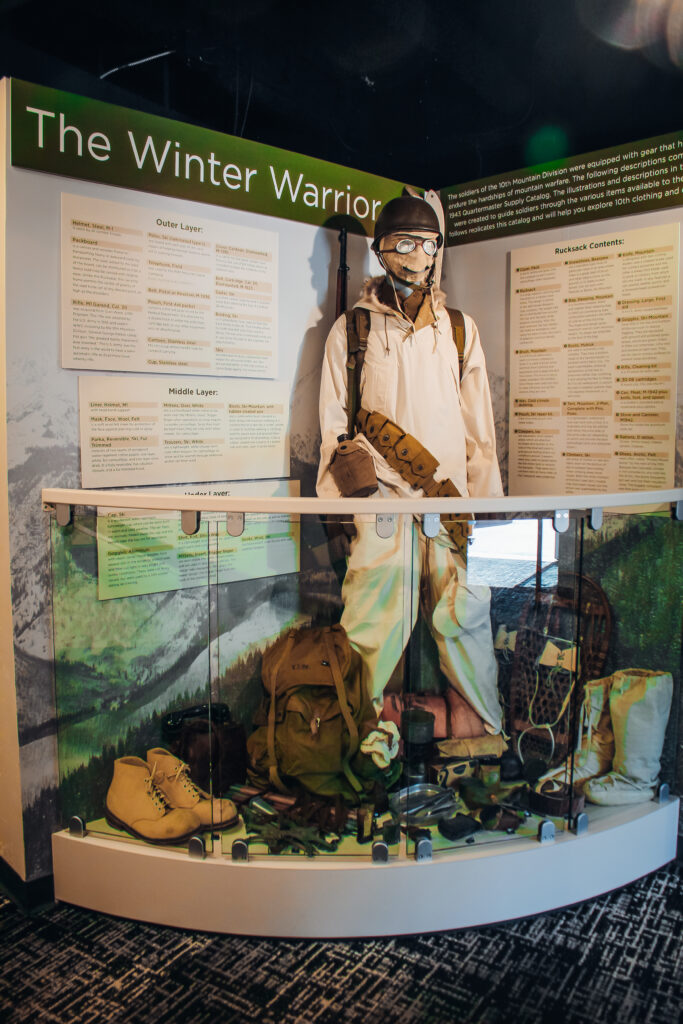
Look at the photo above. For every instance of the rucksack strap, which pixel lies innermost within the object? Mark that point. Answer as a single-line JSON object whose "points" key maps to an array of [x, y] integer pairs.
{"points": [[354, 741], [273, 773], [357, 331], [458, 327]]}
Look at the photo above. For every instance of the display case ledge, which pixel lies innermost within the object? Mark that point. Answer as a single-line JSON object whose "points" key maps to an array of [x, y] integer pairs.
{"points": [[334, 898]]}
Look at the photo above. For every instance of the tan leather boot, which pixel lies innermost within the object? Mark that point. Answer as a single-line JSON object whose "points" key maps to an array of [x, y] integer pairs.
{"points": [[135, 805], [171, 776]]}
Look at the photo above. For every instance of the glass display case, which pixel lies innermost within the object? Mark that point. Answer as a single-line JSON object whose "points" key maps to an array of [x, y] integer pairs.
{"points": [[355, 688]]}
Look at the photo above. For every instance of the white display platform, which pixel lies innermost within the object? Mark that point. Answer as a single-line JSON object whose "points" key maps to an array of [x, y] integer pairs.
{"points": [[335, 898]]}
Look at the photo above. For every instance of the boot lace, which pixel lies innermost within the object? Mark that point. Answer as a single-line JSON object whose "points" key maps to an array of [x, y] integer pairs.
{"points": [[158, 798], [180, 774]]}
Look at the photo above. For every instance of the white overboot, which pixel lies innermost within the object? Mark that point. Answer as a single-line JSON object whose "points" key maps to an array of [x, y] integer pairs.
{"points": [[595, 743], [639, 703]]}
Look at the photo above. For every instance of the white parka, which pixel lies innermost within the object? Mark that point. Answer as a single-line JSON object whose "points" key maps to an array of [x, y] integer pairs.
{"points": [[413, 378]]}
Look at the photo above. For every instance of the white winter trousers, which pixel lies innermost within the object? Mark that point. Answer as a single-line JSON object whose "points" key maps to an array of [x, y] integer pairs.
{"points": [[387, 579]]}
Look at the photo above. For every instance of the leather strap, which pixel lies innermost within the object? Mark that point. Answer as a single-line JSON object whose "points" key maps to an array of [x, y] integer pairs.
{"points": [[273, 773], [458, 327], [357, 331], [354, 740]]}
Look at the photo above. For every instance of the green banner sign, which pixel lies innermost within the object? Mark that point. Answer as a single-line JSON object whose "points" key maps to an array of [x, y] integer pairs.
{"points": [[633, 178], [60, 133]]}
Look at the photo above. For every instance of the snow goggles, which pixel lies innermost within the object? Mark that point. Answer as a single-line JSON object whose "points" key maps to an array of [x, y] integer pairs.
{"points": [[406, 245]]}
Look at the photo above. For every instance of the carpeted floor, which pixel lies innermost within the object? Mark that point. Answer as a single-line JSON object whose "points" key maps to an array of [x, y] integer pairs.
{"points": [[616, 959]]}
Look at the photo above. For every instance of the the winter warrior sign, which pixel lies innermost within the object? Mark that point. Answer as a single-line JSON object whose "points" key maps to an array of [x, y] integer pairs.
{"points": [[60, 133]]}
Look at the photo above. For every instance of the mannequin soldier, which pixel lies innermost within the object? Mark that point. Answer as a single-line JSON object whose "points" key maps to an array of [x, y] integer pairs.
{"points": [[414, 403]]}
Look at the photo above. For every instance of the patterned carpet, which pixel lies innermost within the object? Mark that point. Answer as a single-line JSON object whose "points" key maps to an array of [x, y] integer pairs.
{"points": [[617, 958]]}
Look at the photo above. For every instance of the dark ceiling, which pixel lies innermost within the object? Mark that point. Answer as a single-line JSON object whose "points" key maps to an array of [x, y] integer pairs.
{"points": [[432, 93]]}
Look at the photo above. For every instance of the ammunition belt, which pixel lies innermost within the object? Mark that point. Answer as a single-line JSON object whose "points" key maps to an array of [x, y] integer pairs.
{"points": [[416, 465]]}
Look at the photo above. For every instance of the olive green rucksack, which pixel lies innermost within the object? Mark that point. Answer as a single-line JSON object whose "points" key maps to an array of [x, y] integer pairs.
{"points": [[310, 726]]}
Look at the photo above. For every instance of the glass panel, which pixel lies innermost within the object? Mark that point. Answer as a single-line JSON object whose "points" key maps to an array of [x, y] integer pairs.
{"points": [[285, 622], [493, 672], [628, 743], [131, 626], [507, 673]]}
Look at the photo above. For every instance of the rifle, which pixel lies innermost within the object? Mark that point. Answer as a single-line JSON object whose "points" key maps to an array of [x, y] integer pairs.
{"points": [[338, 530], [342, 275]]}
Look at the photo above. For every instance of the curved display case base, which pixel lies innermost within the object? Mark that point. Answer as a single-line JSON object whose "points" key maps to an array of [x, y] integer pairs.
{"points": [[334, 898]]}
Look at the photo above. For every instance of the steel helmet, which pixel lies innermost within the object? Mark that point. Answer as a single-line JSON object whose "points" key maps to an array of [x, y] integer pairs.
{"points": [[406, 213]]}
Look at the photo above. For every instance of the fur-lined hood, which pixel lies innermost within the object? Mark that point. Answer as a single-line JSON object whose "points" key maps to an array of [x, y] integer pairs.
{"points": [[371, 296]]}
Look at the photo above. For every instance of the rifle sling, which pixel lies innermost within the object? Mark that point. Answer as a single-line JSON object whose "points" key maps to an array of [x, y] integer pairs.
{"points": [[357, 331]]}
